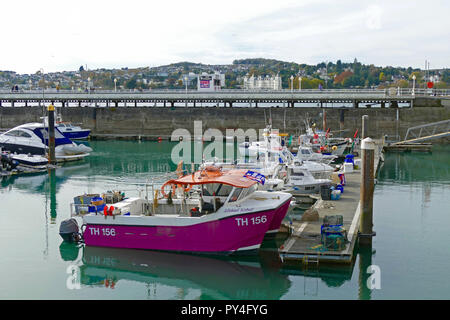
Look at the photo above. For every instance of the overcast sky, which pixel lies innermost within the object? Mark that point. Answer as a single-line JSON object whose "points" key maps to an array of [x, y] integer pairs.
{"points": [[62, 35]]}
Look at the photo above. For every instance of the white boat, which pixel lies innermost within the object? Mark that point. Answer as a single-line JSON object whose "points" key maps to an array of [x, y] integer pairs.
{"points": [[319, 170], [301, 181], [32, 138], [30, 160], [73, 131], [305, 153], [271, 143]]}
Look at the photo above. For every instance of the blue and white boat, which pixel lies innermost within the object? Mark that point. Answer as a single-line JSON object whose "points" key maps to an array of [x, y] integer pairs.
{"points": [[73, 132], [68, 129], [32, 138]]}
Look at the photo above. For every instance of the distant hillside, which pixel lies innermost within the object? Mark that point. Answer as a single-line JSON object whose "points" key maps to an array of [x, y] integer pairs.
{"points": [[330, 75]]}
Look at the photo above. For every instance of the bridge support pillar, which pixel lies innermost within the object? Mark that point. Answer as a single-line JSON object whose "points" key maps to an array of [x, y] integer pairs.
{"points": [[355, 104], [383, 104]]}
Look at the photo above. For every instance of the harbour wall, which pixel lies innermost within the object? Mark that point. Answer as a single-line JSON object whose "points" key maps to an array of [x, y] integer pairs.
{"points": [[161, 122]]}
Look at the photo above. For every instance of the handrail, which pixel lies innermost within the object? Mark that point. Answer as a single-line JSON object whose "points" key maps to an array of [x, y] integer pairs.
{"points": [[387, 91], [425, 126]]}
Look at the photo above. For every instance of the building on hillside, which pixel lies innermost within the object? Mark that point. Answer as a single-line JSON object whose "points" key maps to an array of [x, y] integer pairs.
{"points": [[262, 83], [210, 82]]}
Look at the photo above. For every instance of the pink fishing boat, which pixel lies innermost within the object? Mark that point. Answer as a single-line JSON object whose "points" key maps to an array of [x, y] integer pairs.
{"points": [[227, 214]]}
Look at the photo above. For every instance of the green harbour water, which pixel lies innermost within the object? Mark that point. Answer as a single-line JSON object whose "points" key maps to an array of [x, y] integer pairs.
{"points": [[411, 248]]}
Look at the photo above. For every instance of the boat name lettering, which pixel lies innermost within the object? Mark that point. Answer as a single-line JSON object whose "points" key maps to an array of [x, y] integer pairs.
{"points": [[253, 220], [109, 232], [233, 210]]}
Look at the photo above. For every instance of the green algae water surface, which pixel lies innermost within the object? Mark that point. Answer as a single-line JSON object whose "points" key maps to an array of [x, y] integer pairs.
{"points": [[410, 251]]}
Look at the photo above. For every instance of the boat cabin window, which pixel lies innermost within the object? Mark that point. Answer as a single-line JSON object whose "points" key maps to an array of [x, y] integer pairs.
{"points": [[305, 151], [298, 174], [217, 189], [18, 133], [235, 194], [24, 134], [247, 191]]}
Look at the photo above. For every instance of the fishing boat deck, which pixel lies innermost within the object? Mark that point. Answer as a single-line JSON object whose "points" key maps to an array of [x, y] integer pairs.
{"points": [[304, 242]]}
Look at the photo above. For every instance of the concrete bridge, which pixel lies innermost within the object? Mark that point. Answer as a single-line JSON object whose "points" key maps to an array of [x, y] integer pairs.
{"points": [[224, 98]]}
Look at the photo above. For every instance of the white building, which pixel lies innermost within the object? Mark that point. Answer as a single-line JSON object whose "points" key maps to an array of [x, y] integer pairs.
{"points": [[210, 82], [262, 83]]}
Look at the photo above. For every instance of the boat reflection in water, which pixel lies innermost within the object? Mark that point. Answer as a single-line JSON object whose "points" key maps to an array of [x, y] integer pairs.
{"points": [[215, 277]]}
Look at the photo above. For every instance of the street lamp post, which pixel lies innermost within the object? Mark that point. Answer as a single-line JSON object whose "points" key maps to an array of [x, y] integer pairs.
{"points": [[89, 84], [115, 86], [414, 84], [292, 83], [300, 84]]}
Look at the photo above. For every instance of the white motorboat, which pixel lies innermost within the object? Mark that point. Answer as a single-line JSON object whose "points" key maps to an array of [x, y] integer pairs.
{"points": [[271, 143], [301, 181], [319, 170], [32, 138], [305, 153], [30, 160]]}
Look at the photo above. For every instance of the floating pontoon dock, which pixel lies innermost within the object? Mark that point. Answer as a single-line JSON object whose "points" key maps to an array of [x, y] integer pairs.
{"points": [[304, 242]]}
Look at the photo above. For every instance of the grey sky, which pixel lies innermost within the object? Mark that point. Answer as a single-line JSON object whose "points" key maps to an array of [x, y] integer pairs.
{"points": [[54, 36]]}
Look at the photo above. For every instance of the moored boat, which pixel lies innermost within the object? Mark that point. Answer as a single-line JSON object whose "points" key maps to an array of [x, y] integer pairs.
{"points": [[229, 216], [32, 138]]}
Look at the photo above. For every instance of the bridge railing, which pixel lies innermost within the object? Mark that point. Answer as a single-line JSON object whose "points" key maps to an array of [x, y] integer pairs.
{"points": [[388, 91]]}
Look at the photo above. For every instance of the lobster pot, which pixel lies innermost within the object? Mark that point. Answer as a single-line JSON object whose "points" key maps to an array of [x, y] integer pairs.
{"points": [[335, 242]]}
